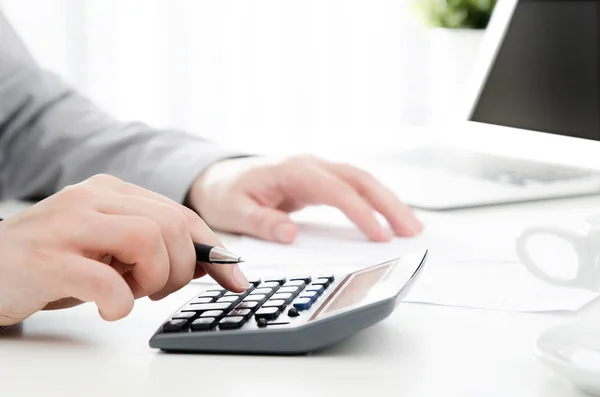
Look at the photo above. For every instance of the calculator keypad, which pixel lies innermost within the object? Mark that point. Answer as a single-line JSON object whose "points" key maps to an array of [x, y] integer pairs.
{"points": [[277, 299]]}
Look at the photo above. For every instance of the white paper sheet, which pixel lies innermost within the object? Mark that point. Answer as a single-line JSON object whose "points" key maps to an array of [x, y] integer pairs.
{"points": [[462, 272], [326, 244], [504, 286]]}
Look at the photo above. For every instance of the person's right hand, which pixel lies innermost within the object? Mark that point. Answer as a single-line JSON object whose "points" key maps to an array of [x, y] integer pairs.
{"points": [[103, 241]]}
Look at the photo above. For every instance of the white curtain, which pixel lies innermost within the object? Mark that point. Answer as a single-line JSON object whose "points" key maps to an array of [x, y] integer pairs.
{"points": [[239, 70]]}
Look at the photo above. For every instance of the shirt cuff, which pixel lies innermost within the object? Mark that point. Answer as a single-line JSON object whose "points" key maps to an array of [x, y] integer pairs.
{"points": [[175, 172]]}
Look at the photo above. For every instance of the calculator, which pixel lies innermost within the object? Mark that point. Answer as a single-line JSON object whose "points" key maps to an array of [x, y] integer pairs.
{"points": [[289, 314]]}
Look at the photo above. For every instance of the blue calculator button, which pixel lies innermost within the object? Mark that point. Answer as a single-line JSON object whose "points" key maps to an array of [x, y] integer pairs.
{"points": [[316, 288], [303, 303], [312, 295]]}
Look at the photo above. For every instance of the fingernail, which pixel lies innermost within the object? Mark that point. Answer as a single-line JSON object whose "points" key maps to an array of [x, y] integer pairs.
{"points": [[239, 277], [415, 226], [284, 232]]}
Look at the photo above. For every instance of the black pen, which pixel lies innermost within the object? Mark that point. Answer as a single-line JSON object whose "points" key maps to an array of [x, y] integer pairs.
{"points": [[210, 254]]}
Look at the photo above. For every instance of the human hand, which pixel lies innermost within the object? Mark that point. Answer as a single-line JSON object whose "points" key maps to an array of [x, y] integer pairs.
{"points": [[253, 196], [102, 241]]}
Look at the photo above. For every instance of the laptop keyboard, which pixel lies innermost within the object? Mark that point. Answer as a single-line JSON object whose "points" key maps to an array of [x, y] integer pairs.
{"points": [[494, 168]]}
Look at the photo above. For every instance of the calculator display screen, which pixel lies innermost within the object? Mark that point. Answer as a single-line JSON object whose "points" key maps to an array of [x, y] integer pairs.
{"points": [[355, 290]]}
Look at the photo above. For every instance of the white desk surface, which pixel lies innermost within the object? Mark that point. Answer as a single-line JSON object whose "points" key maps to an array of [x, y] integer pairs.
{"points": [[419, 351]]}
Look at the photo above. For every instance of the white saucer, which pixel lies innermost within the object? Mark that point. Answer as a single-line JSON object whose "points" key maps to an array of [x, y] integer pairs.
{"points": [[573, 351]]}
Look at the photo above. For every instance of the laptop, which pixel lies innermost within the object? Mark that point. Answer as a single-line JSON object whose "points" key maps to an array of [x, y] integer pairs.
{"points": [[537, 73]]}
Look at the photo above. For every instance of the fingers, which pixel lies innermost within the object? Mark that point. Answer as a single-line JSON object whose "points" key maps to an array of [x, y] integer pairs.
{"points": [[91, 281], [323, 187], [398, 214], [198, 228], [228, 276], [133, 240], [262, 222], [175, 233]]}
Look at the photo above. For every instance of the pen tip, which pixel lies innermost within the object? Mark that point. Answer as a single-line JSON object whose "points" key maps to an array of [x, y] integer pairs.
{"points": [[241, 260]]}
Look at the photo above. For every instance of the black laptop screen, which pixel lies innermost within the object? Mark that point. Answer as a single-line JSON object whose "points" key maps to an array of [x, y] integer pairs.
{"points": [[545, 76]]}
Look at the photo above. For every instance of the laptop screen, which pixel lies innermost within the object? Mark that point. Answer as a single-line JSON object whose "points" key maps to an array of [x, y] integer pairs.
{"points": [[546, 72]]}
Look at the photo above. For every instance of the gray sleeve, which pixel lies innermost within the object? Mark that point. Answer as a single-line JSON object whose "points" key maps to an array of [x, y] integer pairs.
{"points": [[51, 136]]}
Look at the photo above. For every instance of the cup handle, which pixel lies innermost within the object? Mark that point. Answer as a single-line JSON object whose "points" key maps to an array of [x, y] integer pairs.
{"points": [[575, 239]]}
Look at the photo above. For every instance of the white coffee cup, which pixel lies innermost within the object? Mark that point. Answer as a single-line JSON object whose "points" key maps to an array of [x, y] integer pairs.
{"points": [[569, 256]]}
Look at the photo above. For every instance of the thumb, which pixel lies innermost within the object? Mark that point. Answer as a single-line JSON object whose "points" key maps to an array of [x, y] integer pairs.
{"points": [[266, 223]]}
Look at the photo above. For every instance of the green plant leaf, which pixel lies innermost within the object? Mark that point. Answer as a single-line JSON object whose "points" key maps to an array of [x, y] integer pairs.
{"points": [[473, 14]]}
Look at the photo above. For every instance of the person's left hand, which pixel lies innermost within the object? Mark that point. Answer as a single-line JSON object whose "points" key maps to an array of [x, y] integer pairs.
{"points": [[253, 196]]}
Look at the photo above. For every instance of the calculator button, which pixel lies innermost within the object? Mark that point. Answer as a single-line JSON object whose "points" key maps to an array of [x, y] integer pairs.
{"points": [[312, 295], [240, 294], [322, 281], [329, 277], [270, 284], [191, 308], [203, 323], [291, 290], [303, 303], [211, 294], [278, 280], [231, 298], [203, 307], [216, 289], [174, 325], [268, 313], [316, 288], [246, 313], [184, 315], [255, 282], [285, 296], [275, 303], [232, 322], [306, 279], [255, 298], [252, 305], [213, 313], [295, 283], [263, 291], [203, 300]]}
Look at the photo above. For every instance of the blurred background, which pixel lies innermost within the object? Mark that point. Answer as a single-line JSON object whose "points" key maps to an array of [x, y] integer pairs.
{"points": [[286, 72]]}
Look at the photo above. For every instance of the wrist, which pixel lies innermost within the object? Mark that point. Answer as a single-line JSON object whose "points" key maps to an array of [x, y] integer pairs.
{"points": [[215, 173]]}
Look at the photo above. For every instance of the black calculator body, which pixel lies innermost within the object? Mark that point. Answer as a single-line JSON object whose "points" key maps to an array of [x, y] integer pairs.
{"points": [[289, 315]]}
